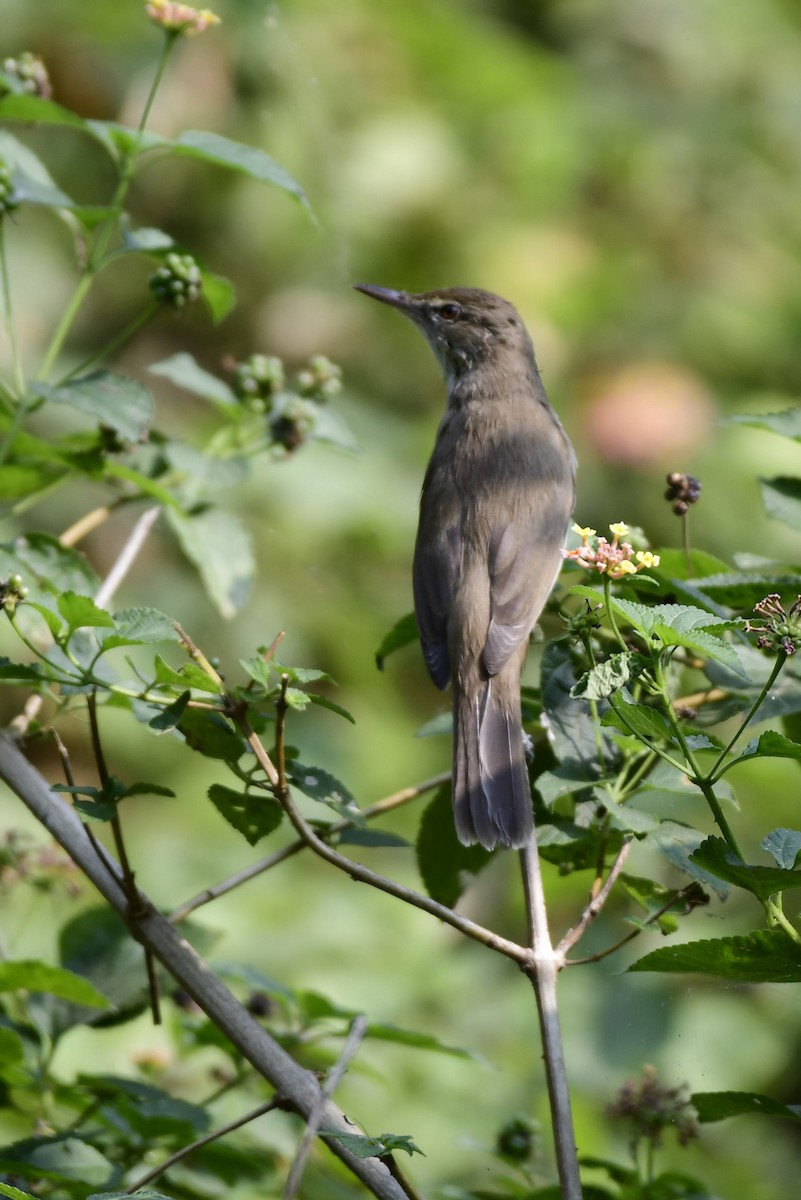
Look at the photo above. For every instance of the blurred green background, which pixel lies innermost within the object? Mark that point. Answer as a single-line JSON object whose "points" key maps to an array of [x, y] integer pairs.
{"points": [[628, 174]]}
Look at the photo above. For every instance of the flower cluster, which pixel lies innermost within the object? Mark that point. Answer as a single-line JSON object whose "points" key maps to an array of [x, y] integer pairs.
{"points": [[649, 1107], [616, 559], [778, 630], [31, 73], [178, 282], [12, 591], [257, 380], [321, 380], [682, 490], [180, 19]]}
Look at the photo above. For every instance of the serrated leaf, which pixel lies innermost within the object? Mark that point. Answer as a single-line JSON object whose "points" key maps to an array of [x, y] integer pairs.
{"points": [[766, 956], [446, 867], [782, 499], [35, 976], [81, 611], [253, 814], [787, 422], [571, 730], [770, 745], [142, 626], [719, 1106], [24, 673], [783, 845], [15, 1194], [114, 400], [304, 674], [210, 734], [182, 370], [403, 633], [715, 856], [246, 160], [222, 550], [297, 699], [606, 677], [373, 1147], [639, 719]]}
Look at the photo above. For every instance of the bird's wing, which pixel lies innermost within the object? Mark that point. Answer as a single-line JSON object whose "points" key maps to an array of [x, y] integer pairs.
{"points": [[433, 573], [524, 560]]}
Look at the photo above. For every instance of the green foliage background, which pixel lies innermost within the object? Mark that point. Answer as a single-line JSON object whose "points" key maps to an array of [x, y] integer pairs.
{"points": [[627, 173]]}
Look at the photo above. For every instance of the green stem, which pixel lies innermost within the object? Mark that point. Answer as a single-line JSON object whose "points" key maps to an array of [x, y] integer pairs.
{"points": [[8, 314], [114, 344], [610, 612], [65, 324], [685, 531], [620, 711], [718, 768]]}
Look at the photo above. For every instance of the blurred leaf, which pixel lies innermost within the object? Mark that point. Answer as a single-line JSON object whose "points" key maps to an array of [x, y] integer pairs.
{"points": [[152, 1112], [182, 370], [607, 677], [30, 178], [7, 1190], [783, 845], [321, 785], [324, 702], [303, 674], [253, 814], [419, 1041], [140, 1193], [23, 106], [330, 428], [165, 721], [61, 568], [97, 945], [715, 856], [629, 819], [145, 240], [373, 1147], [718, 1106], [123, 404], [638, 718], [401, 634], [204, 474], [18, 480], [24, 673], [210, 734], [143, 788], [374, 838], [766, 956], [63, 1158], [190, 675], [782, 499], [247, 160], [34, 976], [438, 726], [119, 140], [220, 547], [677, 843], [742, 589], [446, 867], [787, 422], [81, 611], [218, 294], [572, 731]]}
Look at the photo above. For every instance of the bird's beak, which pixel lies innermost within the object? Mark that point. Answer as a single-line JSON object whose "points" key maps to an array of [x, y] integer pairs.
{"points": [[401, 300]]}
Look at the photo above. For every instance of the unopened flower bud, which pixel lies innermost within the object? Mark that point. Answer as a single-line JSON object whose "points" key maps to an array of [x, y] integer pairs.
{"points": [[31, 72], [178, 282], [257, 380]]}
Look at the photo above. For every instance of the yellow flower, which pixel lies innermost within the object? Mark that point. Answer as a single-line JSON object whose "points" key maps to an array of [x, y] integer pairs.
{"points": [[626, 567], [619, 529], [583, 532], [180, 18], [646, 559]]}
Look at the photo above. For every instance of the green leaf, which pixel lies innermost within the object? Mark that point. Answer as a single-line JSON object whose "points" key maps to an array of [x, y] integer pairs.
{"points": [[324, 702], [150, 1112], [401, 634], [770, 745], [142, 788], [22, 480], [97, 945], [218, 294], [184, 372], [418, 1041], [715, 856], [30, 178], [572, 730], [628, 819], [742, 589], [321, 785], [7, 1190], [607, 677], [259, 670], [766, 956], [141, 627], [34, 976], [188, 675], [210, 734], [166, 720], [146, 240], [638, 719], [374, 838], [24, 673], [247, 160], [783, 845], [303, 674], [140, 1194], [81, 611], [787, 422], [120, 140], [677, 843], [114, 400], [64, 1159], [782, 499], [22, 106], [59, 568], [718, 1106], [373, 1147], [253, 814], [222, 550], [446, 867]]}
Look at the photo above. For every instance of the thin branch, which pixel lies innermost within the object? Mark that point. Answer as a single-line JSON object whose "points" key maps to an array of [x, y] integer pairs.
{"points": [[630, 936], [298, 1085], [89, 522], [596, 903], [276, 1102], [542, 972], [272, 860], [127, 555], [353, 1041]]}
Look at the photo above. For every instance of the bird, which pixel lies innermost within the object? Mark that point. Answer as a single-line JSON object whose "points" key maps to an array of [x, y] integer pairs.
{"points": [[495, 505]]}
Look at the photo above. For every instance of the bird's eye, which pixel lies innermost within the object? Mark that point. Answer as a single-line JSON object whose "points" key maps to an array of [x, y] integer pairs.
{"points": [[450, 312]]}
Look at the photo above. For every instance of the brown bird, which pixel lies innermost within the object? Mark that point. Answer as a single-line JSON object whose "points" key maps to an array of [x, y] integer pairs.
{"points": [[494, 510]]}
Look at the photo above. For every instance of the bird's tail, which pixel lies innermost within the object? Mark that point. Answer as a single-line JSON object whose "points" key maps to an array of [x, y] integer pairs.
{"points": [[491, 791]]}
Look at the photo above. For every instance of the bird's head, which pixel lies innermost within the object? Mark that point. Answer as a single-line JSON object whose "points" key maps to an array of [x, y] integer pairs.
{"points": [[465, 327]]}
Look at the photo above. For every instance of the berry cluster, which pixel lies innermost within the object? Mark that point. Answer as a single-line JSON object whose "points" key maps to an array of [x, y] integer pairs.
{"points": [[778, 630], [321, 380], [32, 74], [12, 591], [258, 380], [178, 282], [682, 490]]}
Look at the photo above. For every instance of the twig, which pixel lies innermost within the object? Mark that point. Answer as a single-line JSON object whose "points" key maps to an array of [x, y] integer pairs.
{"points": [[353, 1041], [89, 522], [298, 1085], [127, 556], [596, 903], [276, 1102], [542, 972], [272, 860], [630, 936]]}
